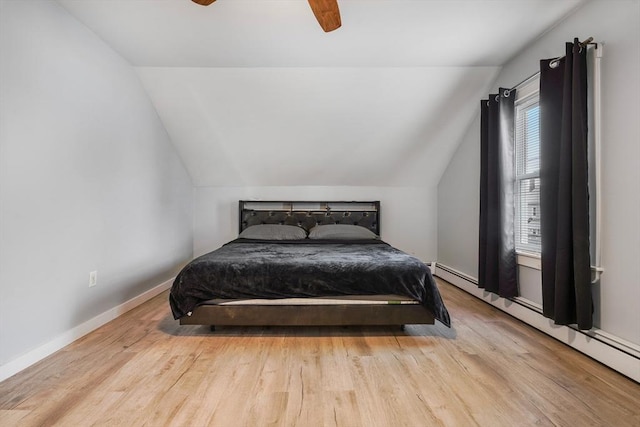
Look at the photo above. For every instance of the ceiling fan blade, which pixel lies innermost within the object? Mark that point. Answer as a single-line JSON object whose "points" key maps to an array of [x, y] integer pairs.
{"points": [[203, 2], [327, 14]]}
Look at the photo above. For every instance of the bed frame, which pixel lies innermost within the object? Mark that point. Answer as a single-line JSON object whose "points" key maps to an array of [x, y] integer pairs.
{"points": [[308, 214]]}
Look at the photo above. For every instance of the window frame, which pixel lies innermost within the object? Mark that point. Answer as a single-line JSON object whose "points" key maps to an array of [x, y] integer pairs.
{"points": [[527, 95]]}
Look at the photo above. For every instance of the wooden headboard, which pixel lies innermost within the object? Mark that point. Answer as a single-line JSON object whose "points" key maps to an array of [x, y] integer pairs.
{"points": [[308, 214]]}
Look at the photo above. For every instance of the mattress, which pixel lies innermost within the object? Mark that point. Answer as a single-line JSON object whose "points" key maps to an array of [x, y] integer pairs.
{"points": [[335, 300]]}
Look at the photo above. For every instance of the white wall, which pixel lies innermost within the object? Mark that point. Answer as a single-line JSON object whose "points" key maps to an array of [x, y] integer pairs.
{"points": [[89, 180], [216, 213], [458, 205], [617, 25]]}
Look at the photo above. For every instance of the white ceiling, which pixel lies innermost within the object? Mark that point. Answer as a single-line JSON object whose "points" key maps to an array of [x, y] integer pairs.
{"points": [[253, 92], [284, 33]]}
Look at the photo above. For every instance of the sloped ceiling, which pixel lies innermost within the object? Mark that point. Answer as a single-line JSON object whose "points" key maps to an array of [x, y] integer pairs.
{"points": [[253, 92]]}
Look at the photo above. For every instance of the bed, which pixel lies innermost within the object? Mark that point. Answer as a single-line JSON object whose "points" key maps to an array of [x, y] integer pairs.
{"points": [[307, 263]]}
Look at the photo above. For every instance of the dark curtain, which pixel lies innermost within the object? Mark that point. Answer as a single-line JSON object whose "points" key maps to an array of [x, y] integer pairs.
{"points": [[564, 195], [497, 268]]}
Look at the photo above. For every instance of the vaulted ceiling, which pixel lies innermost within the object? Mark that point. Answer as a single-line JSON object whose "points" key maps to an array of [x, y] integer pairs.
{"points": [[253, 92]]}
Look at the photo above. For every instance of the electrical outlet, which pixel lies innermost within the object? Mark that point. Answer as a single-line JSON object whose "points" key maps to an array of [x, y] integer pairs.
{"points": [[93, 278]]}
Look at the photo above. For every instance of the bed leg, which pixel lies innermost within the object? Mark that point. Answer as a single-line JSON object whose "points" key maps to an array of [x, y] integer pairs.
{"points": [[212, 328]]}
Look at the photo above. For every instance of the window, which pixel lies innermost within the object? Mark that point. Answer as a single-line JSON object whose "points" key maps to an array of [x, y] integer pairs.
{"points": [[527, 162]]}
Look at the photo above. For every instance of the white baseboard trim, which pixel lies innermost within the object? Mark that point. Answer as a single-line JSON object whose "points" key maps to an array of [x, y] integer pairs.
{"points": [[623, 358], [13, 367]]}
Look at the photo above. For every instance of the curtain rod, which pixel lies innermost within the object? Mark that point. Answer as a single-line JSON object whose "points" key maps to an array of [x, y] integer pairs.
{"points": [[584, 43]]}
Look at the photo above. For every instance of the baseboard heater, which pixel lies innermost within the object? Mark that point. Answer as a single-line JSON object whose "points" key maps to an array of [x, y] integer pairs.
{"points": [[612, 351]]}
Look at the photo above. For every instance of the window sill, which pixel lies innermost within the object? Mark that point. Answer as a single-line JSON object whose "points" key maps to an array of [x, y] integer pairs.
{"points": [[528, 259]]}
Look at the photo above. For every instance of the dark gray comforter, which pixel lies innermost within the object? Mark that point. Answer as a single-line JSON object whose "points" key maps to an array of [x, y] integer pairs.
{"points": [[246, 268]]}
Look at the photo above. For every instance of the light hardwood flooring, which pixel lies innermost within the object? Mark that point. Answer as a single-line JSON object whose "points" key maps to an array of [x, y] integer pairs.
{"points": [[488, 370]]}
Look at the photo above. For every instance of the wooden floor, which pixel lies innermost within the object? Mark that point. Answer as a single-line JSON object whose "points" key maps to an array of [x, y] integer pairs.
{"points": [[488, 370]]}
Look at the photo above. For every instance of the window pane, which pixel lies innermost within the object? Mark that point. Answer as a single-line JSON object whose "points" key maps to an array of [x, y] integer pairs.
{"points": [[532, 139], [528, 233], [528, 138]]}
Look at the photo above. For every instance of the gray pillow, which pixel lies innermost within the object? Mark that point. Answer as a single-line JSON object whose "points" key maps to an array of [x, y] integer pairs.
{"points": [[341, 232], [273, 232]]}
